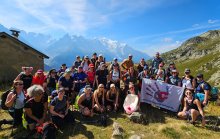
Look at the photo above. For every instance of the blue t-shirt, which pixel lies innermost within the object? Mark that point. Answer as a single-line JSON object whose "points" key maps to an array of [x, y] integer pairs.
{"points": [[66, 83], [80, 76], [202, 86]]}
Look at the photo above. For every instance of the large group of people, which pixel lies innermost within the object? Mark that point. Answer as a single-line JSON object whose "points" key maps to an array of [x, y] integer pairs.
{"points": [[96, 87]]}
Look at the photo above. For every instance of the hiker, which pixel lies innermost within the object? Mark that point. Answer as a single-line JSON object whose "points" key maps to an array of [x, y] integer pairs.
{"points": [[127, 63], [85, 63], [114, 62], [40, 79], [144, 74], [85, 102], [91, 75], [155, 62], [101, 75], [77, 63], [35, 108], [112, 98], [52, 80], [62, 70], [15, 103], [131, 102], [130, 76], [80, 79], [160, 73], [202, 89], [66, 82], [99, 61], [114, 76], [170, 68], [26, 77], [141, 65], [174, 79], [192, 108], [99, 99], [94, 58], [188, 80], [59, 109]]}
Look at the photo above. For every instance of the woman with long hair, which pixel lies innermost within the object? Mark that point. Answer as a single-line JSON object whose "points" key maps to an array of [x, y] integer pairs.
{"points": [[99, 99], [15, 103], [112, 98]]}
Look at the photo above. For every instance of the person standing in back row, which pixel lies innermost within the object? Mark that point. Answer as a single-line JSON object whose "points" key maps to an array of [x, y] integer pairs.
{"points": [[155, 62], [127, 63]]}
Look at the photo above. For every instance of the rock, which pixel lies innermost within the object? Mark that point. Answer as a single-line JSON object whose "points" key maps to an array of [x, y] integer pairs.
{"points": [[117, 131], [135, 137]]}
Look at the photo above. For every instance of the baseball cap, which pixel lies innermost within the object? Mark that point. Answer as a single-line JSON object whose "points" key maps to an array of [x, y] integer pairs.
{"points": [[200, 75], [94, 53], [115, 59], [91, 65], [130, 55], [187, 70], [174, 71], [87, 87], [40, 71], [86, 56]]}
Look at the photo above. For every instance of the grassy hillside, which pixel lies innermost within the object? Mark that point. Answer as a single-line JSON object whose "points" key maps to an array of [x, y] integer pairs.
{"points": [[201, 54]]}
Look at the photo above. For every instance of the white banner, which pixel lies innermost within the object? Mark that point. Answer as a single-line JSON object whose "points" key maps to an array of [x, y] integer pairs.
{"points": [[161, 94]]}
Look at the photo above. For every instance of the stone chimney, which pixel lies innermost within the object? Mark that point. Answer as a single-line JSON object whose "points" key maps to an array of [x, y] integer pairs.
{"points": [[15, 33]]}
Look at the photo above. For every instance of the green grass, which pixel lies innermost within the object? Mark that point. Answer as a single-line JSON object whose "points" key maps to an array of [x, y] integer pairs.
{"points": [[162, 125]]}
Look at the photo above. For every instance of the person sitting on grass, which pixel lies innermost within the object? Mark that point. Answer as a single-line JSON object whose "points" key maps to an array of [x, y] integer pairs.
{"points": [[112, 98], [85, 102], [59, 110], [15, 103], [192, 108], [99, 99], [35, 109]]}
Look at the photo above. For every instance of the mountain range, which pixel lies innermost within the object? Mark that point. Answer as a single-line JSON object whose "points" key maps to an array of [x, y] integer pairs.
{"points": [[66, 48]]}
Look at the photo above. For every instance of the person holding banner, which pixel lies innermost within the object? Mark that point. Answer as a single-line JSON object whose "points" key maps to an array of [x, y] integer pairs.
{"points": [[192, 108]]}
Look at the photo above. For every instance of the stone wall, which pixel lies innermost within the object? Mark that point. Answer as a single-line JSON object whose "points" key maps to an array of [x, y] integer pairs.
{"points": [[14, 55]]}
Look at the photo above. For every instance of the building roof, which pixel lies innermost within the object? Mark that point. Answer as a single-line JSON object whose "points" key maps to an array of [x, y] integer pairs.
{"points": [[26, 45]]}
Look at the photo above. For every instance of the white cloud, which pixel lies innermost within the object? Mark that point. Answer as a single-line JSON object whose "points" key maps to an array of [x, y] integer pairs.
{"points": [[72, 16], [167, 40], [210, 21]]}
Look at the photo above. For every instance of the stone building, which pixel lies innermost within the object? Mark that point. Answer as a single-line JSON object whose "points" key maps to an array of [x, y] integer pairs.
{"points": [[14, 54]]}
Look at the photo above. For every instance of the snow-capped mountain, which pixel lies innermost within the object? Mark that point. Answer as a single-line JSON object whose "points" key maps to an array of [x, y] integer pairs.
{"points": [[65, 49]]}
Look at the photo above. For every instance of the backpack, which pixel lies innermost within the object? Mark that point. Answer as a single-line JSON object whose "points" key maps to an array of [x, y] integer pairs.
{"points": [[103, 120], [3, 99], [138, 117], [214, 94]]}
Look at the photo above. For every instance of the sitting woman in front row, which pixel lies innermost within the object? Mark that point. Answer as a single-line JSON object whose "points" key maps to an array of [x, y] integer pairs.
{"points": [[59, 110], [192, 108], [112, 98], [85, 102], [35, 108], [99, 99]]}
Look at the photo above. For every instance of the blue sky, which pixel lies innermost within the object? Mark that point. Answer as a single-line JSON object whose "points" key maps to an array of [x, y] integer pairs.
{"points": [[146, 25]]}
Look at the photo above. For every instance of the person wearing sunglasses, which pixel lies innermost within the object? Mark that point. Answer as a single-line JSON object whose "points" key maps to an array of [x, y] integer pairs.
{"points": [[85, 102], [192, 108], [99, 99], [15, 103]]}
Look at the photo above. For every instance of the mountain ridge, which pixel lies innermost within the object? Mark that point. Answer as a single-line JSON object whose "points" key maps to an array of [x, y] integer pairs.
{"points": [[201, 54]]}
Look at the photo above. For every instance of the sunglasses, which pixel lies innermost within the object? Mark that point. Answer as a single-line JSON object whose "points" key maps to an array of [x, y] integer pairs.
{"points": [[188, 92], [19, 84]]}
